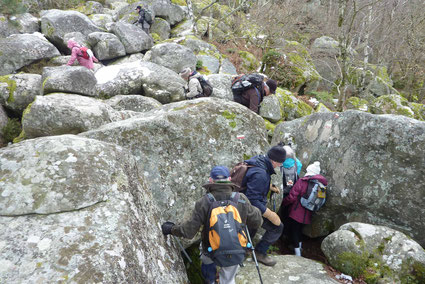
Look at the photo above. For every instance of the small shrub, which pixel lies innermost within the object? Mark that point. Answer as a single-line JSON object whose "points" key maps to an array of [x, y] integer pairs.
{"points": [[199, 64], [11, 130], [11, 7]]}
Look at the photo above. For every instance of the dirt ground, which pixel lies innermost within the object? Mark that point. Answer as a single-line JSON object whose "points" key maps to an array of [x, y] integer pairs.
{"points": [[311, 250]]}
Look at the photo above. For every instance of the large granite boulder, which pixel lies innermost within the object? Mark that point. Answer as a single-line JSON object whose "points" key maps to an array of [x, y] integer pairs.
{"points": [[3, 122], [69, 79], [222, 86], [19, 50], [288, 269], [198, 45], [176, 146], [371, 162], [172, 55], [132, 37], [227, 67], [143, 78], [209, 62], [391, 104], [24, 23], [270, 108], [61, 113], [290, 106], [133, 102], [80, 211], [19, 90], [55, 24], [162, 28], [106, 45], [172, 13], [101, 20], [376, 253]]}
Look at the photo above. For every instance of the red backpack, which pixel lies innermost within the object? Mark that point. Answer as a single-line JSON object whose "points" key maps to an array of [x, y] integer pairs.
{"points": [[85, 52]]}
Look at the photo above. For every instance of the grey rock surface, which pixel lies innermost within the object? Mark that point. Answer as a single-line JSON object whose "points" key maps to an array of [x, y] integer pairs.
{"points": [[19, 91], [69, 79], [172, 56], [19, 50], [55, 24], [388, 248], [143, 78], [176, 146], [106, 45], [369, 161], [288, 269], [132, 37], [61, 113], [136, 103], [80, 211], [270, 109]]}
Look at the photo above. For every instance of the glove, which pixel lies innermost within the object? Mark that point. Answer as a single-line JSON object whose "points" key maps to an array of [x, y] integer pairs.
{"points": [[272, 216], [166, 228], [274, 188]]}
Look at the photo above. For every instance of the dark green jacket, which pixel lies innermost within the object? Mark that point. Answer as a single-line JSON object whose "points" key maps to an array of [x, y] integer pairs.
{"points": [[250, 215]]}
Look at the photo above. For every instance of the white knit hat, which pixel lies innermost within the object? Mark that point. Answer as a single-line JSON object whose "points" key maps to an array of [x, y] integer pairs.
{"points": [[313, 169], [185, 73]]}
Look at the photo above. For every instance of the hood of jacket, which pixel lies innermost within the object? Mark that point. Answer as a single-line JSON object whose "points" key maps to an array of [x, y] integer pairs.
{"points": [[320, 178], [72, 44], [220, 187], [263, 162]]}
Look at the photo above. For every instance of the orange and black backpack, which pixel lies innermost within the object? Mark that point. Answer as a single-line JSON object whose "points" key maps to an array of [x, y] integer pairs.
{"points": [[226, 236]]}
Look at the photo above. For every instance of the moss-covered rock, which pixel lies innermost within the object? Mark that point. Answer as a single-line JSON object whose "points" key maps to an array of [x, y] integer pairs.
{"points": [[357, 103], [322, 108], [290, 106], [249, 62], [11, 87], [391, 104], [291, 65], [419, 110], [375, 253]]}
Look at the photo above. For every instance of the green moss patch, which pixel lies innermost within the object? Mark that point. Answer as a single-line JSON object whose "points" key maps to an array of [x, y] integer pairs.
{"points": [[11, 130], [11, 86]]}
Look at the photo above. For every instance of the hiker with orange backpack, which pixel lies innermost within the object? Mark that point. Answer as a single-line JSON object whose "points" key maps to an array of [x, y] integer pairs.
{"points": [[221, 200], [84, 55]]}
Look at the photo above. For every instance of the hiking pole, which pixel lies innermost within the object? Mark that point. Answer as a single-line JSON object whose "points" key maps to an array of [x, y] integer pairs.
{"points": [[253, 255], [182, 248]]}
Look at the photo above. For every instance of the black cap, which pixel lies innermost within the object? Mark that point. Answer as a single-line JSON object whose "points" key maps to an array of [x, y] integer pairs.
{"points": [[277, 154], [138, 7], [272, 84]]}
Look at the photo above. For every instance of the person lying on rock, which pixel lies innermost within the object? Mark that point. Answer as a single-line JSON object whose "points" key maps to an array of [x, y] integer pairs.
{"points": [[84, 55], [219, 192]]}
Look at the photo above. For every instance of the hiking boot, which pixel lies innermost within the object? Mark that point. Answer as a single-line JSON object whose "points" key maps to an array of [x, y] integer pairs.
{"points": [[265, 259]]}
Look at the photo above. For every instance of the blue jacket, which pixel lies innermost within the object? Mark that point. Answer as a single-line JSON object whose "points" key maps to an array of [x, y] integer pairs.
{"points": [[257, 180]]}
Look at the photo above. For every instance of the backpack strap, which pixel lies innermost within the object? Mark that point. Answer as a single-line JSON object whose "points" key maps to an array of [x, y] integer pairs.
{"points": [[234, 197], [258, 94], [210, 197]]}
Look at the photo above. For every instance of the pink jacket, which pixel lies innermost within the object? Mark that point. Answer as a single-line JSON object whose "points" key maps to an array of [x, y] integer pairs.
{"points": [[296, 211], [76, 54]]}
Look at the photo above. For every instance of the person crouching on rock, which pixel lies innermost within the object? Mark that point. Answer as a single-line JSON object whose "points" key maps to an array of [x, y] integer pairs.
{"points": [[84, 55]]}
